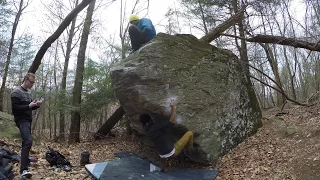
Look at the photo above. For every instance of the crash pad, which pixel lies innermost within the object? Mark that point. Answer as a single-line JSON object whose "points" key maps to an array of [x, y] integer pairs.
{"points": [[131, 166]]}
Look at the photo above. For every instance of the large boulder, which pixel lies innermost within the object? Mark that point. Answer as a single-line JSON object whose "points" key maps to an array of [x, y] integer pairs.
{"points": [[215, 98]]}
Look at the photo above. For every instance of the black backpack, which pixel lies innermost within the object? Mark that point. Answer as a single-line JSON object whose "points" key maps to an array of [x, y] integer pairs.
{"points": [[6, 158], [55, 158]]}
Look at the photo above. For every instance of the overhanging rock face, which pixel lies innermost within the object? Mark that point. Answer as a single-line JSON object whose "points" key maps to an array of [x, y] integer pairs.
{"points": [[215, 99]]}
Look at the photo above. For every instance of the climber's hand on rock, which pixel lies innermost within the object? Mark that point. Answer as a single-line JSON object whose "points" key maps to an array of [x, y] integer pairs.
{"points": [[173, 102]]}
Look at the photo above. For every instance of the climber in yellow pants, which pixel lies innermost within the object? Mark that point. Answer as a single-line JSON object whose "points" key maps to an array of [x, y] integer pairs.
{"points": [[162, 141], [185, 141]]}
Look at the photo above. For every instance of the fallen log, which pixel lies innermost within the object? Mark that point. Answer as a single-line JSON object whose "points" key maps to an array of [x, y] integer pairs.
{"points": [[109, 124], [215, 33]]}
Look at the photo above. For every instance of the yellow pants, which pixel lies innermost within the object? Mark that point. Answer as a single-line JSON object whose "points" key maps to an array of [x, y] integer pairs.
{"points": [[186, 140]]}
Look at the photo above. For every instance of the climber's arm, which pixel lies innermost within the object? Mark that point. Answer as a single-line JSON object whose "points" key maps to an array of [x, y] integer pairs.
{"points": [[173, 111]]}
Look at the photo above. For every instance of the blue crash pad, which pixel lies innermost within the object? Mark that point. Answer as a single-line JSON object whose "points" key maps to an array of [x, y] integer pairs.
{"points": [[131, 166]]}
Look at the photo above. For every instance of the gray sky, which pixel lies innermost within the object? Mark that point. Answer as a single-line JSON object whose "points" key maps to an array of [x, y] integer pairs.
{"points": [[110, 17], [32, 20]]}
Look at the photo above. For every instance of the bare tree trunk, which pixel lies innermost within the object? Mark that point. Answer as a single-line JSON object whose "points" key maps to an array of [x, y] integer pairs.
{"points": [[49, 111], [290, 74], [274, 66], [9, 110], [243, 48], [74, 136], [35, 121], [65, 23], [271, 97], [123, 30], [56, 91], [54, 125], [44, 82], [43, 123], [263, 89], [303, 84], [43, 116], [122, 34], [262, 93], [317, 75], [203, 18], [244, 58], [280, 91], [63, 98], [6, 68]]}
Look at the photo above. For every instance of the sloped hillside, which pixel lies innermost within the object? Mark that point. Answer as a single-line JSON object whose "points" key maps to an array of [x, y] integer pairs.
{"points": [[7, 126], [286, 147]]}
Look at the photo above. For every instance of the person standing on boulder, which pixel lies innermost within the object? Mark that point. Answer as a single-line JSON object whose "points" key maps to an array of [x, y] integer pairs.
{"points": [[163, 142], [141, 31], [22, 106]]}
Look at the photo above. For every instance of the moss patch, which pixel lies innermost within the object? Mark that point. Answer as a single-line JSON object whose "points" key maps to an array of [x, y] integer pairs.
{"points": [[8, 128]]}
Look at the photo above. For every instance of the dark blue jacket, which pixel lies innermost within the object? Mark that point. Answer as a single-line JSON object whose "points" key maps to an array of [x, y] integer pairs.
{"points": [[146, 27]]}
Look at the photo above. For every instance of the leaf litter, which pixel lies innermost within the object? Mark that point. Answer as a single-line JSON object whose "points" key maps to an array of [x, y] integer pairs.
{"points": [[287, 147]]}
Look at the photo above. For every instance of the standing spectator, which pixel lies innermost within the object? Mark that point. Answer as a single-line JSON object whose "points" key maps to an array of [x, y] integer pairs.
{"points": [[22, 106]]}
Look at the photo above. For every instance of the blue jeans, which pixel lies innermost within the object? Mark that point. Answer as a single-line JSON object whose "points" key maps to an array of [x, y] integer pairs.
{"points": [[25, 132]]}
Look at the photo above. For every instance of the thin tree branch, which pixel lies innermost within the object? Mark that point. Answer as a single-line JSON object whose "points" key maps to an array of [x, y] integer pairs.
{"points": [[289, 99], [64, 24], [280, 90]]}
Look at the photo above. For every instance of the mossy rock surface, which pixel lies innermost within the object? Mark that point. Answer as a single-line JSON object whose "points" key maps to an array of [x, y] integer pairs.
{"points": [[8, 127]]}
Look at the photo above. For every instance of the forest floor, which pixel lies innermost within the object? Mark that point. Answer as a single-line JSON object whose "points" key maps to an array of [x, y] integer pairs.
{"points": [[286, 147]]}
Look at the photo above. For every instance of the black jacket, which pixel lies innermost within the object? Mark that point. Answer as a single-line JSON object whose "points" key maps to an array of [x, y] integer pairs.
{"points": [[20, 100], [162, 141]]}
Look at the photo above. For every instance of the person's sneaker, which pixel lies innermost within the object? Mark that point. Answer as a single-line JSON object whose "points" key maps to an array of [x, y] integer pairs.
{"points": [[26, 173], [67, 168]]}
